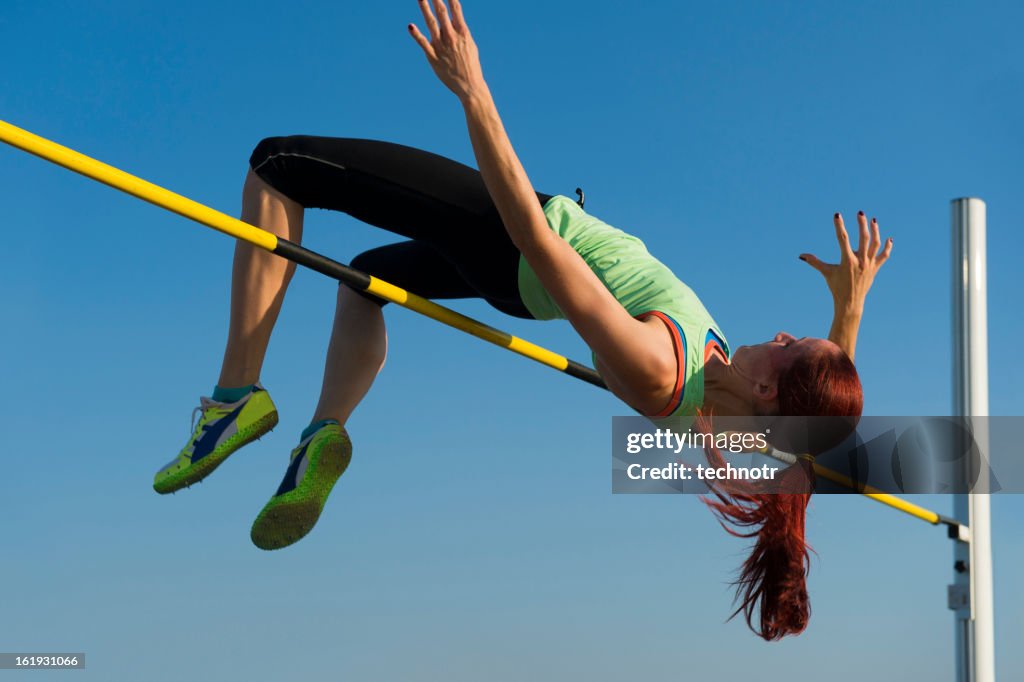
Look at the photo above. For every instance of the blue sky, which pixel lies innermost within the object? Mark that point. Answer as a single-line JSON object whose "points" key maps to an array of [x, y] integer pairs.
{"points": [[474, 535]]}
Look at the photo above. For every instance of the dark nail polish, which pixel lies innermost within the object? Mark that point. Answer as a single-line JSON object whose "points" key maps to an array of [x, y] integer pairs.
{"points": [[802, 258], [860, 213], [836, 216]]}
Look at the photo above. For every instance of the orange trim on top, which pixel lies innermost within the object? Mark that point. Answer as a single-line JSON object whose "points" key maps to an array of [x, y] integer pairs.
{"points": [[680, 351], [709, 349]]}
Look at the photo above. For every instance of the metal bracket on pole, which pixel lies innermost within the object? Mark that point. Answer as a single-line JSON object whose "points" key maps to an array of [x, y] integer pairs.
{"points": [[959, 597], [957, 531]]}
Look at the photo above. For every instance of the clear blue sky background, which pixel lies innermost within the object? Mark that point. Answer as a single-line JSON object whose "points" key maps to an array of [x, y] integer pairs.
{"points": [[474, 536]]}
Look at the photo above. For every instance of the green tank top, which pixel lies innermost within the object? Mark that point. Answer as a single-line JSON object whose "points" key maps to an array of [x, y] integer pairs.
{"points": [[642, 284]]}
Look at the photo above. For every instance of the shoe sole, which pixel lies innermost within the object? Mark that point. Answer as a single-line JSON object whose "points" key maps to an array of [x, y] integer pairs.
{"points": [[204, 467], [288, 518]]}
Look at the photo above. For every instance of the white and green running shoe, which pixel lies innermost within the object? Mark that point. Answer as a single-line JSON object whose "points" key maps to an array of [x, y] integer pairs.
{"points": [[314, 468], [222, 429]]}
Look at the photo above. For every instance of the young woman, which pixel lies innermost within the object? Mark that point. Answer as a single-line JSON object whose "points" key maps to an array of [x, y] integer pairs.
{"points": [[489, 234]]}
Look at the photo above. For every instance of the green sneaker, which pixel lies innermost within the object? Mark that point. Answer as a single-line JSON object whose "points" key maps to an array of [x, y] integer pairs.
{"points": [[222, 429], [314, 468]]}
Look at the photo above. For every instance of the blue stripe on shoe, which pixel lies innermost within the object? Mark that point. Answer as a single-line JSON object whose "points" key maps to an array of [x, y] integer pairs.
{"points": [[207, 442], [289, 483]]}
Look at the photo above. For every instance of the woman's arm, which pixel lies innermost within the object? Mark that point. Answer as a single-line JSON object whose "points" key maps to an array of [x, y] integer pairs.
{"points": [[640, 355], [850, 280]]}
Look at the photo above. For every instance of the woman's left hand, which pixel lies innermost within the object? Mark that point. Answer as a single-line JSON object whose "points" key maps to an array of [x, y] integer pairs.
{"points": [[850, 279], [450, 50]]}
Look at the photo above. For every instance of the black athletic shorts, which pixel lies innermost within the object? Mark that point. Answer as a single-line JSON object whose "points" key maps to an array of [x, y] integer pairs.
{"points": [[457, 245]]}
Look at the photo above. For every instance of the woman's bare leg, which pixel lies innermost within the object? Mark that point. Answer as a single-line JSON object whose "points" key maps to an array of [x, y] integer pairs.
{"points": [[258, 284], [358, 347], [259, 280]]}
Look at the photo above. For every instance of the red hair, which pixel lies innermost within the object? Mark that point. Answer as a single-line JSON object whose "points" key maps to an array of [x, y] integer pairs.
{"points": [[772, 586]]}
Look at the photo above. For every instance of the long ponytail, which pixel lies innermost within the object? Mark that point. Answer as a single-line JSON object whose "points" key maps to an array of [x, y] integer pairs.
{"points": [[771, 590]]}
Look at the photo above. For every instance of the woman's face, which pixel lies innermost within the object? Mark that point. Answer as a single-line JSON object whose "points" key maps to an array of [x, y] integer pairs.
{"points": [[764, 362]]}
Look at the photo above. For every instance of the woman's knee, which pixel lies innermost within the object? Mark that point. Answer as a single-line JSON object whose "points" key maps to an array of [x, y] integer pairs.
{"points": [[347, 292], [367, 262], [266, 149], [273, 168], [261, 193]]}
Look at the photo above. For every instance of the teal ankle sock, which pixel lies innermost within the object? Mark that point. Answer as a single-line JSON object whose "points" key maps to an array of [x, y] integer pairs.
{"points": [[316, 426], [230, 395]]}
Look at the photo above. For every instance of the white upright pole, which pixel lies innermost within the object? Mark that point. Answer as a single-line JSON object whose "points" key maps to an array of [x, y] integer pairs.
{"points": [[975, 652]]}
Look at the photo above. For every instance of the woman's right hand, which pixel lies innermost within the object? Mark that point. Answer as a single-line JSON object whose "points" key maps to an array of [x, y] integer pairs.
{"points": [[451, 51], [850, 279]]}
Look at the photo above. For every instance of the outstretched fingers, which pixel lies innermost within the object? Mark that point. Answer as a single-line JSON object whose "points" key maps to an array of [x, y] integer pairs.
{"points": [[842, 237], [443, 19], [876, 239], [879, 256], [458, 19], [422, 41], [865, 236], [884, 256], [428, 17], [816, 263]]}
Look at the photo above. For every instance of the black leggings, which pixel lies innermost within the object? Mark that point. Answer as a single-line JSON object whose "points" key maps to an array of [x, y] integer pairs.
{"points": [[458, 246]]}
